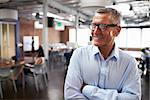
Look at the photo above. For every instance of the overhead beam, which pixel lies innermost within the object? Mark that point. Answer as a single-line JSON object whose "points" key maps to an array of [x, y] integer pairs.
{"points": [[66, 9]]}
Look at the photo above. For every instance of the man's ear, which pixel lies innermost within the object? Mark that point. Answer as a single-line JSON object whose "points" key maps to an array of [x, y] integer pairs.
{"points": [[117, 30]]}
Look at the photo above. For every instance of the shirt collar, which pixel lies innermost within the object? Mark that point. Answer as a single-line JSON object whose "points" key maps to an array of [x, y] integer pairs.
{"points": [[115, 52], [95, 50]]}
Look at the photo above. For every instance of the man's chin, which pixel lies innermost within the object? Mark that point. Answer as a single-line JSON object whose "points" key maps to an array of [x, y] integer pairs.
{"points": [[97, 44]]}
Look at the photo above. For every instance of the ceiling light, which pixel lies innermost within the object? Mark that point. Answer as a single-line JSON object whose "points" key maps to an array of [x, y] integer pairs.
{"points": [[54, 15], [123, 8], [48, 15], [95, 3]]}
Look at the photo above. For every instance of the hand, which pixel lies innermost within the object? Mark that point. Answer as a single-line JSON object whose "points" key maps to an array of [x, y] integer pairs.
{"points": [[83, 85]]}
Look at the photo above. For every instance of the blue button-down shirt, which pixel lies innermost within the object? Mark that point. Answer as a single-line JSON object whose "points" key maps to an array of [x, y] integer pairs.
{"points": [[115, 78]]}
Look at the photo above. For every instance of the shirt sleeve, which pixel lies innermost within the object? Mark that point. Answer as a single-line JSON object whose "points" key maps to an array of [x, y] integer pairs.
{"points": [[131, 88], [74, 79]]}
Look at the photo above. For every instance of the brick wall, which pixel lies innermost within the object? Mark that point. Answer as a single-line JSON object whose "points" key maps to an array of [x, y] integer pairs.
{"points": [[27, 29]]}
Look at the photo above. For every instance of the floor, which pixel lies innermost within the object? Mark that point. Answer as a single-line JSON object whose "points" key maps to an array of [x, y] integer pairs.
{"points": [[54, 91], [145, 88]]}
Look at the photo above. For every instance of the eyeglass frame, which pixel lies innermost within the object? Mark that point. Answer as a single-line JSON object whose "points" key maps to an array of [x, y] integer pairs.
{"points": [[103, 27]]}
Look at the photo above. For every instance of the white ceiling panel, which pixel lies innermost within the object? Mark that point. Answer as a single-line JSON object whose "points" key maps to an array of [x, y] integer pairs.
{"points": [[135, 12]]}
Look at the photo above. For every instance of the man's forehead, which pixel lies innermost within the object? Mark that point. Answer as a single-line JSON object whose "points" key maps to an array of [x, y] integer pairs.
{"points": [[104, 17]]}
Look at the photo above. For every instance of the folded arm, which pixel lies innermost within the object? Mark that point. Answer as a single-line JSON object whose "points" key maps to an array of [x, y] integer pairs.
{"points": [[130, 90], [73, 81]]}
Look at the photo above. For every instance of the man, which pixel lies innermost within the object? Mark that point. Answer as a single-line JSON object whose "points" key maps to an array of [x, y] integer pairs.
{"points": [[102, 71]]}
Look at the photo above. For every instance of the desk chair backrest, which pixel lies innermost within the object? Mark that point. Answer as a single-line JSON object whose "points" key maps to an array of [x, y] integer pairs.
{"points": [[38, 69], [5, 74]]}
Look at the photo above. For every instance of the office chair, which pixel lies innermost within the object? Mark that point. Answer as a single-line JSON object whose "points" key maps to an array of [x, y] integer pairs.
{"points": [[39, 69], [7, 74]]}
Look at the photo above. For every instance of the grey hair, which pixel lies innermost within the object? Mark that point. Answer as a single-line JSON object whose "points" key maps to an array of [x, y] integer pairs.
{"points": [[115, 15]]}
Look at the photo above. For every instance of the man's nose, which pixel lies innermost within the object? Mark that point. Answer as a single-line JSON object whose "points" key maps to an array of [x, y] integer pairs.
{"points": [[97, 30]]}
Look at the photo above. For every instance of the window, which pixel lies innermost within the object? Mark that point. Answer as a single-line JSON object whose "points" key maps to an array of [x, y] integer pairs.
{"points": [[145, 37], [121, 39], [83, 36], [133, 38], [72, 35], [27, 43], [128, 37]]}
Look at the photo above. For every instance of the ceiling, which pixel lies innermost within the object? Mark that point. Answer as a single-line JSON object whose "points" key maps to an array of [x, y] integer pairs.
{"points": [[135, 12]]}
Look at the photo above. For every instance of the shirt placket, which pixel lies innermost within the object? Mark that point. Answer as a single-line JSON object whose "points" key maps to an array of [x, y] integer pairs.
{"points": [[102, 74]]}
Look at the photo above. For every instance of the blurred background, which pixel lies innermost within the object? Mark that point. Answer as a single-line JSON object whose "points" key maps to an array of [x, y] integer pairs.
{"points": [[61, 26]]}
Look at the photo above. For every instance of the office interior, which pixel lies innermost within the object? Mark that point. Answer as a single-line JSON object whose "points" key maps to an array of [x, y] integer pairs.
{"points": [[61, 26]]}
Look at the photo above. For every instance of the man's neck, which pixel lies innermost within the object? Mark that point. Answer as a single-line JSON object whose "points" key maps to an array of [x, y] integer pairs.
{"points": [[106, 51]]}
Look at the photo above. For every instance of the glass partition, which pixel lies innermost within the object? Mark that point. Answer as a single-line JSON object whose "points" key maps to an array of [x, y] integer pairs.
{"points": [[7, 40]]}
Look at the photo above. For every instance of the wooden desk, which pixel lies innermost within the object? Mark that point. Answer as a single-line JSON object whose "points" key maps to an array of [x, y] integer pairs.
{"points": [[17, 67], [29, 60], [10, 64]]}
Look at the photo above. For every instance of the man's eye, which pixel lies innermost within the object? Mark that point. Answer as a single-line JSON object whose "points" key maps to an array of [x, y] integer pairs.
{"points": [[102, 26]]}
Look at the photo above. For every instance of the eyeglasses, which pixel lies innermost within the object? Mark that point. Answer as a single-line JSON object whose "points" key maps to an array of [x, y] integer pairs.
{"points": [[103, 27]]}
